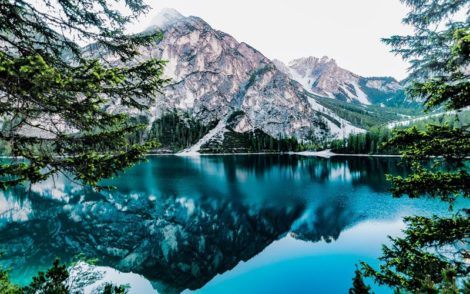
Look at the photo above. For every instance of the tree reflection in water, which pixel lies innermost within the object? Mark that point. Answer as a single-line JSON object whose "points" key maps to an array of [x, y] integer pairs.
{"points": [[180, 221]]}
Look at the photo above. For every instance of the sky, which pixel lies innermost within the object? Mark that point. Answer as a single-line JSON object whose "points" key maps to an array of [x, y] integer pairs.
{"points": [[348, 31]]}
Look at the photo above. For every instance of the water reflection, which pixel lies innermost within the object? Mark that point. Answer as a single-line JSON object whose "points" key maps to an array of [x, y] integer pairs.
{"points": [[180, 221]]}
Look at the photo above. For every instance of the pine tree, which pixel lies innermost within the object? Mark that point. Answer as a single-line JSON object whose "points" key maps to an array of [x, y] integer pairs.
{"points": [[432, 257], [53, 93], [53, 281], [112, 289], [359, 287], [6, 287]]}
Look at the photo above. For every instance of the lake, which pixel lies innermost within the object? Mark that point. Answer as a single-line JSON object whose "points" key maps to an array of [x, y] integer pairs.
{"points": [[215, 224]]}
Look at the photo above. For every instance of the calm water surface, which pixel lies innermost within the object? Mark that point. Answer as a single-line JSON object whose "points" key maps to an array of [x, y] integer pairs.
{"points": [[215, 224]]}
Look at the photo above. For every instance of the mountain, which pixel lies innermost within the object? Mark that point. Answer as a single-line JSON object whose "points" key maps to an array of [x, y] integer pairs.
{"points": [[226, 96], [323, 77], [218, 81]]}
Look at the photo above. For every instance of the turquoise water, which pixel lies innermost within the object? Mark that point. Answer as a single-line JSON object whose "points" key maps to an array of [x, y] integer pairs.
{"points": [[216, 224]]}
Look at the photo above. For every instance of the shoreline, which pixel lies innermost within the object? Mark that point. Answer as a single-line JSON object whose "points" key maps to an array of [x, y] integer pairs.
{"points": [[324, 154]]}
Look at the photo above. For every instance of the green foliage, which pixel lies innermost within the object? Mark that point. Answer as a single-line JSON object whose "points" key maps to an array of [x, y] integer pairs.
{"points": [[430, 258], [446, 185], [55, 94], [257, 141], [371, 142], [376, 140], [112, 289], [456, 120], [53, 281], [253, 142], [446, 148], [366, 116], [437, 90], [359, 287], [177, 131], [438, 52], [6, 287], [433, 255], [453, 144]]}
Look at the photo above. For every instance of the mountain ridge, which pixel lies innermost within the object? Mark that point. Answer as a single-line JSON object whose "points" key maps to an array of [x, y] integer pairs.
{"points": [[214, 76], [324, 77]]}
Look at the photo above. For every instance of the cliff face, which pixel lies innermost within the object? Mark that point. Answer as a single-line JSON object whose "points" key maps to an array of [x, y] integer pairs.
{"points": [[213, 75], [323, 77]]}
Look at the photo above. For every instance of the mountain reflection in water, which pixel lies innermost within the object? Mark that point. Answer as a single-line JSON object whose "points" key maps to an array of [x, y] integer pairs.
{"points": [[180, 221]]}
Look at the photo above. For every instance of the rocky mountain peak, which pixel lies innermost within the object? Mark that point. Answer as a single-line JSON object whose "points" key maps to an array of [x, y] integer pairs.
{"points": [[166, 17], [324, 77], [213, 76], [326, 59], [312, 62]]}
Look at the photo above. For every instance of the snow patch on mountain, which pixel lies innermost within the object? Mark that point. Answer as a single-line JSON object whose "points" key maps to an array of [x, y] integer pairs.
{"points": [[323, 77], [194, 150], [213, 75], [361, 96], [344, 130], [407, 122]]}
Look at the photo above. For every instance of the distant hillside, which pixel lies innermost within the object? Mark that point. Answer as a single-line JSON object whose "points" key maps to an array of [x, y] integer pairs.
{"points": [[323, 77], [372, 141], [367, 116]]}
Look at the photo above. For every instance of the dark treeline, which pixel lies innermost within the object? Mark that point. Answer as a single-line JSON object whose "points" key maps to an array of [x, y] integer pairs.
{"points": [[259, 141], [371, 142], [365, 117], [256, 141], [177, 131]]}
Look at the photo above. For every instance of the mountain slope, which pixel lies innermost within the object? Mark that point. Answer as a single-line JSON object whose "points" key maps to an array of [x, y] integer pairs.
{"points": [[213, 75], [323, 77]]}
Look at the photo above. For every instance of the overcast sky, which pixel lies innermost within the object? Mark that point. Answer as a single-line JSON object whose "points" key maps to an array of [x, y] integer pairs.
{"points": [[346, 30]]}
